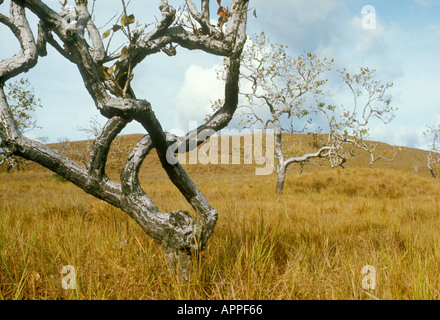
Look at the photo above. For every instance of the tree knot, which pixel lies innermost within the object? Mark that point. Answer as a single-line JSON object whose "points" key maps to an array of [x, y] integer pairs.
{"points": [[184, 234]]}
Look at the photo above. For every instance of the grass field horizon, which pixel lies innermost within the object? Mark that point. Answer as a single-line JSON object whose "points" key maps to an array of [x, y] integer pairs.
{"points": [[310, 243]]}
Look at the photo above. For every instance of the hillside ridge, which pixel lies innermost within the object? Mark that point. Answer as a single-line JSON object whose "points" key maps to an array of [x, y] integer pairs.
{"points": [[407, 159]]}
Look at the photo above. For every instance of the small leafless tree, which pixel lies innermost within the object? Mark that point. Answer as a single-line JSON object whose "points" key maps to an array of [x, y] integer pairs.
{"points": [[287, 95], [107, 77], [92, 131], [22, 103], [433, 158]]}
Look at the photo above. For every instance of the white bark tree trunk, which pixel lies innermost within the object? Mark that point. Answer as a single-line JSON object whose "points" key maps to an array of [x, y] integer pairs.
{"points": [[281, 176]]}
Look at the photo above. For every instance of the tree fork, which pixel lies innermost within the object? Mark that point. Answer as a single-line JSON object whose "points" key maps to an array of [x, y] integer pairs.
{"points": [[178, 232]]}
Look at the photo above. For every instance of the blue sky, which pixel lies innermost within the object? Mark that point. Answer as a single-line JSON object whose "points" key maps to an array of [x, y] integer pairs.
{"points": [[404, 48]]}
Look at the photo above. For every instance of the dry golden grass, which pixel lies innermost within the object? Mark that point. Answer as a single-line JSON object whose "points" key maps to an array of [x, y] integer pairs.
{"points": [[310, 243]]}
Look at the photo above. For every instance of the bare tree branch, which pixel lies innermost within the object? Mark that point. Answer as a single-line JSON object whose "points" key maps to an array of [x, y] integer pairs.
{"points": [[433, 157], [110, 89], [28, 57], [101, 146], [203, 18], [281, 86]]}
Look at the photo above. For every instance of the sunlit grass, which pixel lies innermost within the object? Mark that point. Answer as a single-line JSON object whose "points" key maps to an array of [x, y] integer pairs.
{"points": [[310, 243]]}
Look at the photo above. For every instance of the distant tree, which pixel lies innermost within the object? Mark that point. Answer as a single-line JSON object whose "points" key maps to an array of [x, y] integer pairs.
{"points": [[107, 72], [433, 158], [23, 103], [288, 95], [80, 151], [92, 131]]}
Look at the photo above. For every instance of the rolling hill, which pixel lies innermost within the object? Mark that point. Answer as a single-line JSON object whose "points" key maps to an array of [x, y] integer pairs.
{"points": [[407, 159]]}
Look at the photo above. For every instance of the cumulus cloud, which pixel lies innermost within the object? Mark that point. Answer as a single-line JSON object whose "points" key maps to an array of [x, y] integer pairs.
{"points": [[367, 40], [401, 135], [436, 120], [303, 23], [353, 45], [200, 89], [435, 28], [424, 3]]}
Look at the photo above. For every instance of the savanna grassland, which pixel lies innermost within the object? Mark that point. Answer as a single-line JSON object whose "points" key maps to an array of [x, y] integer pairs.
{"points": [[310, 243]]}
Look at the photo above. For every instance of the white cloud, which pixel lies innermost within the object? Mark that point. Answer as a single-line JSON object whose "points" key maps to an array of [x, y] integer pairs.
{"points": [[352, 44], [436, 120], [435, 28], [424, 3], [400, 135], [301, 23], [366, 41], [306, 11], [200, 89]]}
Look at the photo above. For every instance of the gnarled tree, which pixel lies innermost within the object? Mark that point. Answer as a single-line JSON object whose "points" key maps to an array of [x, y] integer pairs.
{"points": [[107, 77]]}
